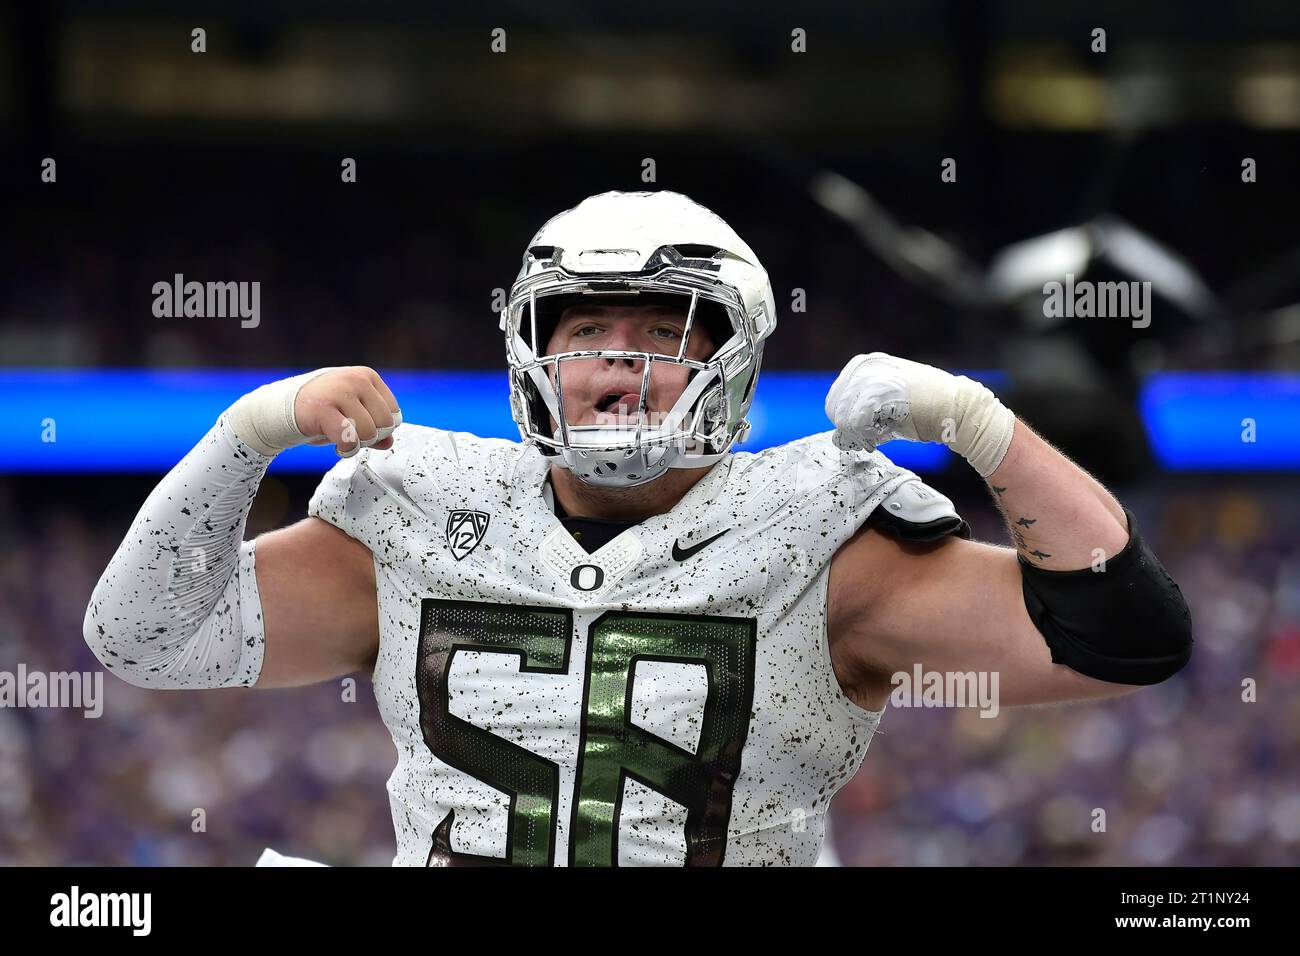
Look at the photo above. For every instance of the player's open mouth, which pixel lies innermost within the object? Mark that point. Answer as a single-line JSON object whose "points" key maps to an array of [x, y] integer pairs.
{"points": [[616, 408], [623, 403]]}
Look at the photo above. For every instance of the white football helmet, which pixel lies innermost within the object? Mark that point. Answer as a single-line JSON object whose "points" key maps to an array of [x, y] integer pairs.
{"points": [[639, 248]]}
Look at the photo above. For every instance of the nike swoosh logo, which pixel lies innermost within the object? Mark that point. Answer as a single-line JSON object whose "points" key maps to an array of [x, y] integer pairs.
{"points": [[681, 554]]}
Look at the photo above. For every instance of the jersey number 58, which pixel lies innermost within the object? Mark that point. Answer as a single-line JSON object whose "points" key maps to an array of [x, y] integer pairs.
{"points": [[611, 748]]}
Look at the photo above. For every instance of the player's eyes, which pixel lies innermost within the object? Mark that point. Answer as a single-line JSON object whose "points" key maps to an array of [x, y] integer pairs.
{"points": [[662, 332]]}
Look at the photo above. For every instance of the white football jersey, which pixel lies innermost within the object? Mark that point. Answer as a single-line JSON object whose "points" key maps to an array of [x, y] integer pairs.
{"points": [[666, 700]]}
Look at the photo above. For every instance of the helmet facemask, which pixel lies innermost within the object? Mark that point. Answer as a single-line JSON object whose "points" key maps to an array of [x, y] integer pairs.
{"points": [[641, 443]]}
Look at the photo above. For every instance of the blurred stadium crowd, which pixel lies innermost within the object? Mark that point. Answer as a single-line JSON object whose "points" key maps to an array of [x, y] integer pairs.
{"points": [[383, 284]]}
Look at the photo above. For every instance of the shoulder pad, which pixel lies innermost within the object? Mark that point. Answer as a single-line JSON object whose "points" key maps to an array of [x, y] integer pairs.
{"points": [[916, 512]]}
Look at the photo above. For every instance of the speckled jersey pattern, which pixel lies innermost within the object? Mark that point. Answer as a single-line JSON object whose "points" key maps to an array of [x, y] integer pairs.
{"points": [[653, 703]]}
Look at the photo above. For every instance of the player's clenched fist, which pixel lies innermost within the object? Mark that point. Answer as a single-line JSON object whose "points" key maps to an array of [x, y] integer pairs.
{"points": [[345, 406], [879, 396], [350, 407]]}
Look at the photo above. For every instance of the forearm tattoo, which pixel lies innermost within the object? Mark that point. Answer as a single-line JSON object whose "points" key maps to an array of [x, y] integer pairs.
{"points": [[1017, 527]]}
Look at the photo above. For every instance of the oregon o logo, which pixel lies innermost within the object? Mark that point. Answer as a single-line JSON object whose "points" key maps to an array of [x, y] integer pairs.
{"points": [[587, 577]]}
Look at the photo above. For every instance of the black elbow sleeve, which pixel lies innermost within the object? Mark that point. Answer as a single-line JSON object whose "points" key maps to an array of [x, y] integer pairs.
{"points": [[1127, 624]]}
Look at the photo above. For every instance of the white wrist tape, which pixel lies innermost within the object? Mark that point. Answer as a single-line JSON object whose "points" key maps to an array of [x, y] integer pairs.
{"points": [[878, 396], [264, 420], [981, 426]]}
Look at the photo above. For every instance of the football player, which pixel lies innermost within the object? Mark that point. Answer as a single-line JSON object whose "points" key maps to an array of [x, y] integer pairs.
{"points": [[622, 641]]}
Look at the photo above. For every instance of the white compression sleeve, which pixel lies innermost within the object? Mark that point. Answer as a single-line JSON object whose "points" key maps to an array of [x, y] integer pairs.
{"points": [[178, 605]]}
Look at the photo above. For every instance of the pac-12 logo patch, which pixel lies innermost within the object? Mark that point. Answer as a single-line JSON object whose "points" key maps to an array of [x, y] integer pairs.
{"points": [[465, 529]]}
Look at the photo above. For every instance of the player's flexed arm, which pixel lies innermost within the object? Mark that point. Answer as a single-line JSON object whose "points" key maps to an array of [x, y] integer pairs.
{"points": [[1080, 608], [185, 602]]}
